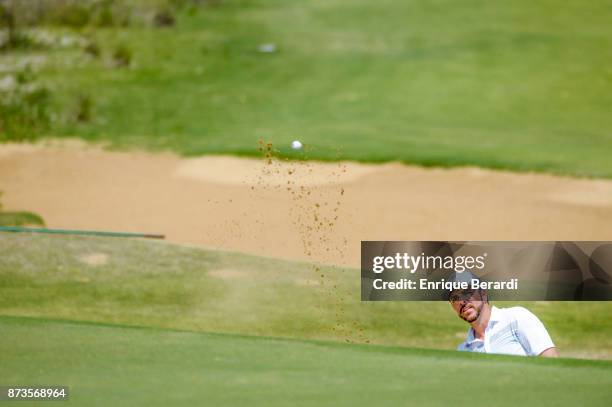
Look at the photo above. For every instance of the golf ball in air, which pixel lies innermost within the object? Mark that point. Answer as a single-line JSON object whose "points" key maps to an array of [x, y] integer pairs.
{"points": [[296, 144]]}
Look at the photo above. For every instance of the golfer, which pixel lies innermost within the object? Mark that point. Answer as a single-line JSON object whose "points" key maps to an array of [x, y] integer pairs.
{"points": [[511, 331]]}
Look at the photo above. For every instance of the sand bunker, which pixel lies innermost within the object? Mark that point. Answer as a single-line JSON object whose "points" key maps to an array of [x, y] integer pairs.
{"points": [[296, 210], [228, 170]]}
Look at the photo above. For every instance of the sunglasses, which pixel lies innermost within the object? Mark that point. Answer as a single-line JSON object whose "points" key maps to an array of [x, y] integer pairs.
{"points": [[457, 296]]}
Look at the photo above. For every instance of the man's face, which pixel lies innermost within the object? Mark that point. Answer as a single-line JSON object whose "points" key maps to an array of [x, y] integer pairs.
{"points": [[467, 304]]}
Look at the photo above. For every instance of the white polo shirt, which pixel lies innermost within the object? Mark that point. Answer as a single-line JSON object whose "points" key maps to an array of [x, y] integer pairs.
{"points": [[511, 331]]}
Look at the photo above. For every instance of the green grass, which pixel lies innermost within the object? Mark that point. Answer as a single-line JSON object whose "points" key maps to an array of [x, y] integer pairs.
{"points": [[525, 86], [153, 284], [20, 219], [113, 365]]}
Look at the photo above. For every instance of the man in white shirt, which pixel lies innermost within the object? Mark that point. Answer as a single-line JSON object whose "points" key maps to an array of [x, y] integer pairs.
{"points": [[511, 331]]}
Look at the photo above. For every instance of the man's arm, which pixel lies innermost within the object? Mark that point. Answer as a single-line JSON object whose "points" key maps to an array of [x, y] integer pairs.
{"points": [[550, 353]]}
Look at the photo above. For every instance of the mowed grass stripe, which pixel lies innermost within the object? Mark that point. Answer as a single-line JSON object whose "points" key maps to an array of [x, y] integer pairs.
{"points": [[105, 365], [153, 284]]}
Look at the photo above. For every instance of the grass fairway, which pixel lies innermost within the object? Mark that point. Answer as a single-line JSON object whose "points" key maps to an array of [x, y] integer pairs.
{"points": [[523, 86], [152, 284], [106, 365]]}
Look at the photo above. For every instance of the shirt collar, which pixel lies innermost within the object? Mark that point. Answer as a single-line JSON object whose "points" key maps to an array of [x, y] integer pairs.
{"points": [[495, 315], [493, 319]]}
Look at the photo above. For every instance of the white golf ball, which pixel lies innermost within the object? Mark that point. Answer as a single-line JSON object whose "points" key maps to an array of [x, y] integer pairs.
{"points": [[296, 144]]}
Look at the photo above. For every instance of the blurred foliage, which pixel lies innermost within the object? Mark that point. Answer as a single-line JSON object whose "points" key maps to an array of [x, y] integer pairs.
{"points": [[25, 104], [19, 218], [95, 13], [24, 107], [92, 48], [163, 18], [122, 56], [83, 108], [70, 13]]}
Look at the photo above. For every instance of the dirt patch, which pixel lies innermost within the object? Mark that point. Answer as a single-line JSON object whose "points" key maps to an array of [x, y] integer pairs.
{"points": [[94, 259], [307, 282], [226, 274], [296, 210]]}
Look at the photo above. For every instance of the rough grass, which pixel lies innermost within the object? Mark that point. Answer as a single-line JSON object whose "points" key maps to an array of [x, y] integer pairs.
{"points": [[524, 86], [20, 219], [153, 284], [120, 366]]}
